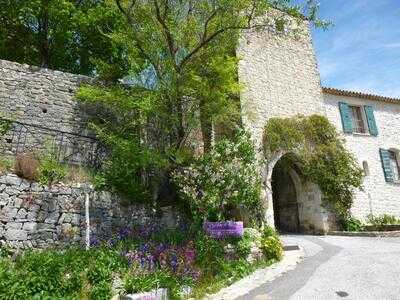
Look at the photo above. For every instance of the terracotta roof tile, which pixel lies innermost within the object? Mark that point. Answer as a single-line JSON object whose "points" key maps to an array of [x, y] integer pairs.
{"points": [[361, 95]]}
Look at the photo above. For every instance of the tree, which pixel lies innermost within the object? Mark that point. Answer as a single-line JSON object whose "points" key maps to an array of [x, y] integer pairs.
{"points": [[182, 72], [61, 34]]}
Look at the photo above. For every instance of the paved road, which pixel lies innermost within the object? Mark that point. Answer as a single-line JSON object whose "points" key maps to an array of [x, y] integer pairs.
{"points": [[347, 268]]}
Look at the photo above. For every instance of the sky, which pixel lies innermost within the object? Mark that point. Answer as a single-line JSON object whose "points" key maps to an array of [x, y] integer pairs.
{"points": [[361, 51]]}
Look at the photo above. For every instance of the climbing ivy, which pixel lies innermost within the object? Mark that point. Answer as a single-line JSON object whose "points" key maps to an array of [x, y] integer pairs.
{"points": [[321, 154], [5, 125]]}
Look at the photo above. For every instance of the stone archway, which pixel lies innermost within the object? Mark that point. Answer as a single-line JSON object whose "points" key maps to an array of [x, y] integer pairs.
{"points": [[293, 203], [285, 199]]}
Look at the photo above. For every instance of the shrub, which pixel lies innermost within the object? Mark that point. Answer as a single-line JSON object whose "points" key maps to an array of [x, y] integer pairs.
{"points": [[382, 220], [5, 126], [271, 245], [77, 174], [352, 224], [222, 181], [50, 170], [251, 237], [27, 166], [243, 246], [54, 274]]}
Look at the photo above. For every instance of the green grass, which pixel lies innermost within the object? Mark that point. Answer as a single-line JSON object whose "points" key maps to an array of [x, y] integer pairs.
{"points": [[6, 164]]}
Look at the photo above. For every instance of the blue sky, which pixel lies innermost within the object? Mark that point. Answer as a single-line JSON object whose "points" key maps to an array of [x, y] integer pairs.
{"points": [[362, 50]]}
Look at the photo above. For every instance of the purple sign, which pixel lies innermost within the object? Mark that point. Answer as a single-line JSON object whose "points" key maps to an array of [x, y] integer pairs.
{"points": [[220, 230]]}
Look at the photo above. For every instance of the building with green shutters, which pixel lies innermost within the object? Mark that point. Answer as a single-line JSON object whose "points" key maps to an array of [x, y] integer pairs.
{"points": [[280, 76]]}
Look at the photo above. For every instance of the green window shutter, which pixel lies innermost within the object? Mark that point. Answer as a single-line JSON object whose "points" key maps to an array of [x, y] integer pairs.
{"points": [[347, 119], [369, 112], [387, 168]]}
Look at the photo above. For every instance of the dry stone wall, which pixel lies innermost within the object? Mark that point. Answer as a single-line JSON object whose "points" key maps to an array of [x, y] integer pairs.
{"points": [[41, 103], [41, 96], [38, 216]]}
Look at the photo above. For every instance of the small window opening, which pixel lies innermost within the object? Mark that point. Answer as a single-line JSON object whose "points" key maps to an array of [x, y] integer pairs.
{"points": [[358, 119], [394, 163], [365, 168]]}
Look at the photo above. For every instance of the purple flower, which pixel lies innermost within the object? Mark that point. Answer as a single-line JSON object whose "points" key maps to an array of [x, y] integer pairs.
{"points": [[123, 233], [112, 242], [94, 241]]}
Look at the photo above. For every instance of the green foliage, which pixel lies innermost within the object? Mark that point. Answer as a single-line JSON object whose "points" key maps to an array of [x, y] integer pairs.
{"points": [[74, 273], [6, 164], [219, 270], [271, 245], [65, 35], [118, 119], [321, 154], [384, 219], [5, 125], [181, 68], [50, 169], [243, 246], [225, 179], [282, 135], [352, 224], [69, 274], [146, 282]]}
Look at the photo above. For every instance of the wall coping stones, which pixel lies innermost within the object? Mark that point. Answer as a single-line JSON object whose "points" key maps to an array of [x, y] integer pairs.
{"points": [[366, 233]]}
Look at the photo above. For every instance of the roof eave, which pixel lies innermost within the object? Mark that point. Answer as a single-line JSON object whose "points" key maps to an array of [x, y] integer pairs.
{"points": [[346, 93]]}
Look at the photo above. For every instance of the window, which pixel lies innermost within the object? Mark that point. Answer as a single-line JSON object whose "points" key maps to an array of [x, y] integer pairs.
{"points": [[365, 168], [358, 119], [395, 166]]}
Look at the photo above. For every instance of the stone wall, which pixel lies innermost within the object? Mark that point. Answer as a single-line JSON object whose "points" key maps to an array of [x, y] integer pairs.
{"points": [[378, 196], [38, 216], [41, 96], [41, 103]]}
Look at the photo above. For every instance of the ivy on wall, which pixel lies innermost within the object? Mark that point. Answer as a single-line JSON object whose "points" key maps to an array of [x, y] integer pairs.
{"points": [[321, 154], [5, 126]]}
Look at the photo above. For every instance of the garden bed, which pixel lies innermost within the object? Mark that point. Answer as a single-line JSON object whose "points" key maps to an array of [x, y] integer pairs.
{"points": [[136, 260]]}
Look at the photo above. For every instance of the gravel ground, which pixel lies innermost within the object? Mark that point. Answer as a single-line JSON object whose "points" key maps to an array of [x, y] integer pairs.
{"points": [[338, 267]]}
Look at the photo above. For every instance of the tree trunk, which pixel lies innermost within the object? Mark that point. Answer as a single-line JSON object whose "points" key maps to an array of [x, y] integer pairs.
{"points": [[180, 125], [44, 44], [206, 127]]}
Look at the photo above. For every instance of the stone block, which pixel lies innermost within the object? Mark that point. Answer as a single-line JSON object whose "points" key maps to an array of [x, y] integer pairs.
{"points": [[11, 190], [8, 213], [17, 203], [4, 199], [22, 213], [29, 226], [13, 180], [13, 225], [16, 235]]}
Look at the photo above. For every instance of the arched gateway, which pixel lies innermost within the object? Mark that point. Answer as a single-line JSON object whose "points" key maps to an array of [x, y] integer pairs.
{"points": [[293, 203]]}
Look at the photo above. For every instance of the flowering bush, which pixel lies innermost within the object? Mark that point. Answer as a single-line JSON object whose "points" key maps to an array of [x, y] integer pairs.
{"points": [[176, 260], [271, 245], [222, 181], [139, 259]]}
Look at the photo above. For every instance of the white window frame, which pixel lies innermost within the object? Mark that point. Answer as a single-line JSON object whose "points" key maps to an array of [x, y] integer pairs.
{"points": [[363, 119]]}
